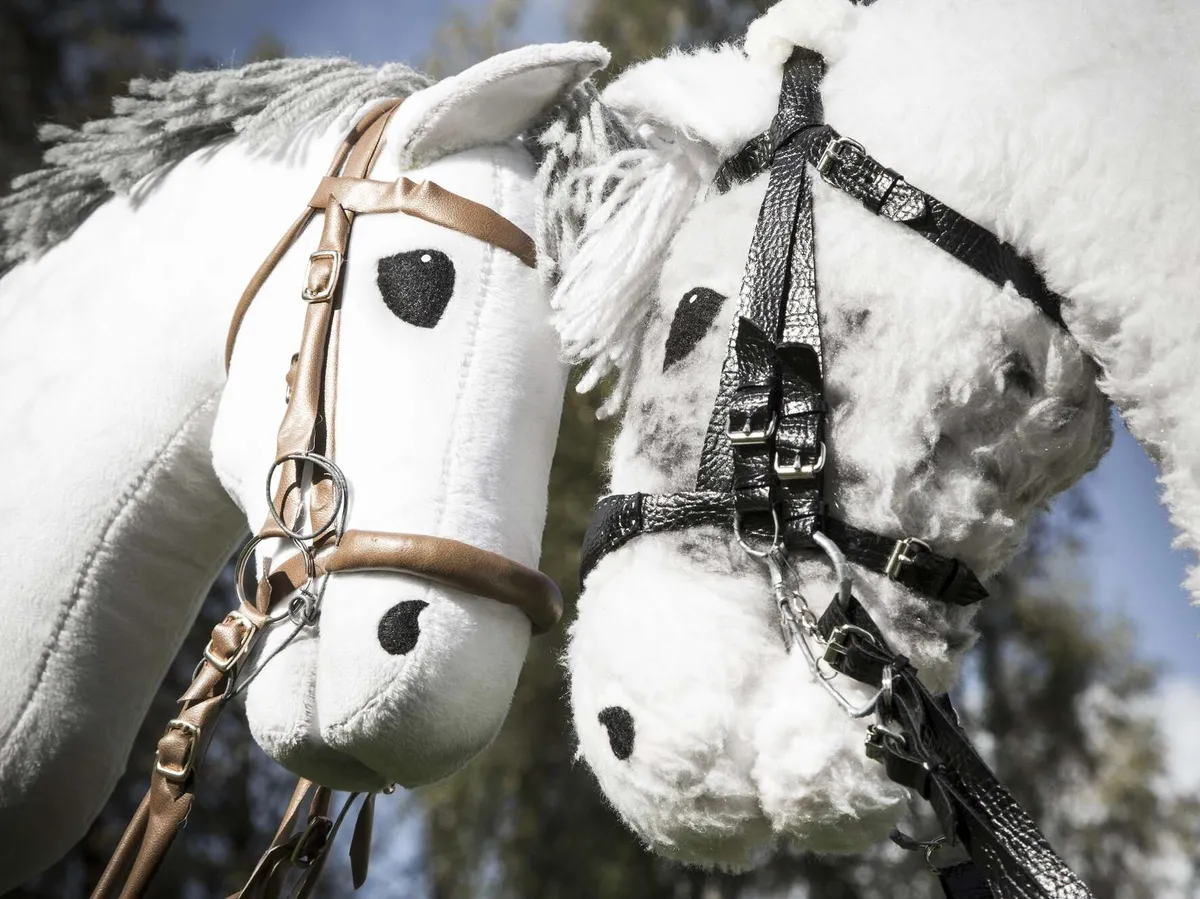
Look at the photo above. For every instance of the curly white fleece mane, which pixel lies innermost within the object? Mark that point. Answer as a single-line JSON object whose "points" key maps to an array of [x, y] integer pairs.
{"points": [[957, 409]]}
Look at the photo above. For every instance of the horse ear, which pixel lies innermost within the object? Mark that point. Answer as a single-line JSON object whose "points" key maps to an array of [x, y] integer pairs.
{"points": [[821, 25], [493, 101]]}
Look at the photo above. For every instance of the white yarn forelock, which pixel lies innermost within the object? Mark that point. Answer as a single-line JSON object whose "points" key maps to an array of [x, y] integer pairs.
{"points": [[613, 199]]}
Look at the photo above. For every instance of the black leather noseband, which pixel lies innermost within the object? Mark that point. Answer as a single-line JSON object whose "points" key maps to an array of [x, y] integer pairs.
{"points": [[762, 468]]}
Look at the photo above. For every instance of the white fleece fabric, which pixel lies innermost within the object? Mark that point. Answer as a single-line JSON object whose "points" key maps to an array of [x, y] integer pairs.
{"points": [[446, 430], [957, 410], [115, 523]]}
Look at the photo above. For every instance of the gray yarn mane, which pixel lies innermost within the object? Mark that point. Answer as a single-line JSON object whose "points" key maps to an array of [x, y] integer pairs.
{"points": [[161, 122]]}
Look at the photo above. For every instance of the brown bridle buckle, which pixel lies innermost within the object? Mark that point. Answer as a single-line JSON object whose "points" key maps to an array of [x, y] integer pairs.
{"points": [[335, 272], [243, 647], [184, 771]]}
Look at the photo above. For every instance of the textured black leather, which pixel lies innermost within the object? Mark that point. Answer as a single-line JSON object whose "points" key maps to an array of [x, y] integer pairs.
{"points": [[925, 572], [745, 165], [886, 193], [771, 382], [618, 519], [935, 757]]}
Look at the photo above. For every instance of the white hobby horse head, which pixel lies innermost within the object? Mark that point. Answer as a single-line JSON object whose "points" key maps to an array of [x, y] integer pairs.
{"points": [[112, 333], [957, 409]]}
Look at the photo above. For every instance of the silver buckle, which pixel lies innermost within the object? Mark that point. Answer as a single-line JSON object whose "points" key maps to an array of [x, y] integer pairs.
{"points": [[335, 273], [836, 152], [837, 646], [791, 471], [180, 774], [901, 555], [744, 436], [223, 665]]}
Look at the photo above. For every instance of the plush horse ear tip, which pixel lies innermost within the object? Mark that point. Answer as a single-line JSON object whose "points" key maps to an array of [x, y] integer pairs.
{"points": [[817, 24]]}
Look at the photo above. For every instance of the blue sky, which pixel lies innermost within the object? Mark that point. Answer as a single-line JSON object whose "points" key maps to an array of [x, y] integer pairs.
{"points": [[1129, 559]]}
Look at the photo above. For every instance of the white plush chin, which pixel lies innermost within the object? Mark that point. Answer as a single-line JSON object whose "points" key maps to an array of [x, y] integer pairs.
{"points": [[723, 741]]}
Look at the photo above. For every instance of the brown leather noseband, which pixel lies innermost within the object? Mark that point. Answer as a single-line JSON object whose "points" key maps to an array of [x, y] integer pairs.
{"points": [[304, 455]]}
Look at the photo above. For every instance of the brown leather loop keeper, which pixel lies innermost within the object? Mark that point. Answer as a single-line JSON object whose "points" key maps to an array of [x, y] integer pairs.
{"points": [[450, 562], [427, 200]]}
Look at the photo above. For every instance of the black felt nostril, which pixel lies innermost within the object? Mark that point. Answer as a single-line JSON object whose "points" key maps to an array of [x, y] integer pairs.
{"points": [[619, 724], [693, 317], [417, 285], [399, 629]]}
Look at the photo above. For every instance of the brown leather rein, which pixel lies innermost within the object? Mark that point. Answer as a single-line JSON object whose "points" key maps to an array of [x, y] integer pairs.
{"points": [[323, 545]]}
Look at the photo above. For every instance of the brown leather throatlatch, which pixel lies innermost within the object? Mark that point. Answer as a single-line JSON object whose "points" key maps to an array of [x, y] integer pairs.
{"points": [[306, 439]]}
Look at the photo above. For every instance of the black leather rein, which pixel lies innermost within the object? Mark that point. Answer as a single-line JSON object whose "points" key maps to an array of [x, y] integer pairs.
{"points": [[761, 475]]}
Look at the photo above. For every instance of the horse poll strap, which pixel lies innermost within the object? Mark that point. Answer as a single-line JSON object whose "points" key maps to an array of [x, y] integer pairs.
{"points": [[922, 747]]}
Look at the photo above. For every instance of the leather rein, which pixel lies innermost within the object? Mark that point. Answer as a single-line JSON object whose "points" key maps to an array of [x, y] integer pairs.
{"points": [[761, 476], [317, 531]]}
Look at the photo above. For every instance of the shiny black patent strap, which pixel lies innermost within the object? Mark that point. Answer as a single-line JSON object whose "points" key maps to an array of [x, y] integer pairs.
{"points": [[910, 563], [845, 164], [922, 746], [764, 441]]}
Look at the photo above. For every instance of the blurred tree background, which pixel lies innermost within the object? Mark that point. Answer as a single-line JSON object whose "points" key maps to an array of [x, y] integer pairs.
{"points": [[1055, 694]]}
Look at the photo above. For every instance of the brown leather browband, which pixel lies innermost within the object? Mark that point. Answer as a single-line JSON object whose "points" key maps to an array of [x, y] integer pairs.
{"points": [[305, 441]]}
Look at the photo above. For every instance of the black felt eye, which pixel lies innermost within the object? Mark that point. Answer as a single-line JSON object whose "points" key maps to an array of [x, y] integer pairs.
{"points": [[417, 285], [619, 724], [693, 317], [399, 628]]}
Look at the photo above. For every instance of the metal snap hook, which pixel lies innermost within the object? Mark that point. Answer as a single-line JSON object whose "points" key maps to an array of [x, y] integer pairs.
{"points": [[776, 537]]}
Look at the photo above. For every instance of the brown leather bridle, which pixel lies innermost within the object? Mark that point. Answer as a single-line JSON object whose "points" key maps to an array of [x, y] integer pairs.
{"points": [[305, 442]]}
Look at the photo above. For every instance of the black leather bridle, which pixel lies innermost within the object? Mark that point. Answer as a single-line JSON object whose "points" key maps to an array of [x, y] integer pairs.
{"points": [[761, 475]]}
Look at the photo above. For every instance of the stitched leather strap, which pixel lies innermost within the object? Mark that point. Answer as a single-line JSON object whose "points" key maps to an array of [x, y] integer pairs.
{"points": [[268, 265], [450, 562], [620, 518], [432, 203], [922, 747]]}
